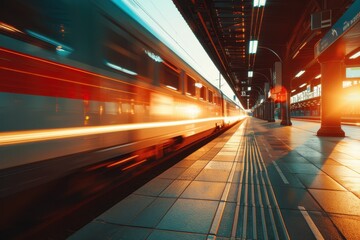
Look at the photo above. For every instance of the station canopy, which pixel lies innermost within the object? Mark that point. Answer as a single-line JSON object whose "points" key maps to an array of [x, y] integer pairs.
{"points": [[285, 31]]}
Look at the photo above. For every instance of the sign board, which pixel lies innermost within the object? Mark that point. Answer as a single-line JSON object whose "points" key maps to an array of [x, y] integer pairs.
{"points": [[321, 19], [346, 21]]}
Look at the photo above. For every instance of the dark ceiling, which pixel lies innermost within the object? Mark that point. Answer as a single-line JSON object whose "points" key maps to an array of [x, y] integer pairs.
{"points": [[282, 27]]}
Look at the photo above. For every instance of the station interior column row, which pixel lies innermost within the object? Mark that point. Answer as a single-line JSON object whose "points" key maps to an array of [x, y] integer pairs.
{"points": [[332, 72]]}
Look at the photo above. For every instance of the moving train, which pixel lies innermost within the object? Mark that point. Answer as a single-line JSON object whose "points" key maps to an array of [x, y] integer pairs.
{"points": [[90, 77]]}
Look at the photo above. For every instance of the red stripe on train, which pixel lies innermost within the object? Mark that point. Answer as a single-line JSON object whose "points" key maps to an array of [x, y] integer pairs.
{"points": [[24, 74]]}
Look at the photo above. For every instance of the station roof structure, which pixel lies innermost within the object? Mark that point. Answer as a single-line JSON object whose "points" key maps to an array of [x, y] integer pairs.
{"points": [[282, 29]]}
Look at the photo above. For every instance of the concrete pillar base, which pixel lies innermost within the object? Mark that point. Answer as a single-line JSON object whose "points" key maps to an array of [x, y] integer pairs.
{"points": [[286, 122], [330, 131]]}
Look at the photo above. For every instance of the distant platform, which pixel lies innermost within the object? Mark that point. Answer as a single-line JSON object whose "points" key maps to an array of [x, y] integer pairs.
{"points": [[259, 180]]}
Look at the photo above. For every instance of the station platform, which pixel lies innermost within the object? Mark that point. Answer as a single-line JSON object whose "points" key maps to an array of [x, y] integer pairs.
{"points": [[258, 180]]}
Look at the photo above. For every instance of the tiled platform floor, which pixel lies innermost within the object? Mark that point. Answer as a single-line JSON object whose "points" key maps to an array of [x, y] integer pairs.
{"points": [[259, 180]]}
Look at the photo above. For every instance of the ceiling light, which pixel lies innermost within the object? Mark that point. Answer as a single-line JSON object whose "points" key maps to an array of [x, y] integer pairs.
{"points": [[318, 76], [259, 3], [250, 73], [253, 44], [303, 85], [300, 73], [355, 55], [295, 54]]}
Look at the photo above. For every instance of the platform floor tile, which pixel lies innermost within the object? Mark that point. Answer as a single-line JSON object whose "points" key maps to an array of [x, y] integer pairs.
{"points": [[190, 215]]}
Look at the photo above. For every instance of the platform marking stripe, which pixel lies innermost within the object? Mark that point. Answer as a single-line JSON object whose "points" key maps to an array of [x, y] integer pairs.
{"points": [[220, 210], [253, 170], [246, 186], [311, 224], [258, 171], [271, 215], [216, 222], [281, 173], [272, 193], [238, 198]]}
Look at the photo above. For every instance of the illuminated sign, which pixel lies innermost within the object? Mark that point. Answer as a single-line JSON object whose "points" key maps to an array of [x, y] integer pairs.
{"points": [[353, 72], [348, 20]]}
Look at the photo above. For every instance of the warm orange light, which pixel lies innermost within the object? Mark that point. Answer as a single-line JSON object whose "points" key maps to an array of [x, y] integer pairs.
{"points": [[352, 97], [9, 28], [16, 137]]}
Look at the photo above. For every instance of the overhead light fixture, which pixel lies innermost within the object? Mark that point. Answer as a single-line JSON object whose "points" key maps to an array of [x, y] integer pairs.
{"points": [[249, 88], [356, 55], [295, 54], [259, 3], [250, 74], [300, 73], [293, 90], [253, 44], [303, 85], [318, 76]]}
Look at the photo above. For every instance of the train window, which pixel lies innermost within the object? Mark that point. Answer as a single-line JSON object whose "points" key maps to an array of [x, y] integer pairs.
{"points": [[203, 91], [190, 86], [211, 96], [46, 24], [217, 100], [169, 76], [125, 54]]}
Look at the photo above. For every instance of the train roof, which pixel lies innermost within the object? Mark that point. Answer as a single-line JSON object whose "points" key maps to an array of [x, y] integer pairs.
{"points": [[134, 11]]}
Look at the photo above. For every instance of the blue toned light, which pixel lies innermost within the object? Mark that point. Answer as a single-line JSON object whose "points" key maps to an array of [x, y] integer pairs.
{"points": [[259, 3], [153, 56], [121, 69], [61, 49], [253, 44]]}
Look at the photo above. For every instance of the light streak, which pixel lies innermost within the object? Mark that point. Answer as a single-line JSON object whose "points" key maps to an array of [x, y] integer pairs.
{"points": [[122, 161], [28, 136], [300, 73], [9, 28], [133, 165]]}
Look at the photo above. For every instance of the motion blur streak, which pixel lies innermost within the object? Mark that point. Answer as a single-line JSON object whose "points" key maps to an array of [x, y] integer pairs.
{"points": [[122, 161], [16, 137], [133, 165]]}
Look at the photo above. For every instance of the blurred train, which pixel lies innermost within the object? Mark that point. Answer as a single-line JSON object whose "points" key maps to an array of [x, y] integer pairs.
{"points": [[89, 77]]}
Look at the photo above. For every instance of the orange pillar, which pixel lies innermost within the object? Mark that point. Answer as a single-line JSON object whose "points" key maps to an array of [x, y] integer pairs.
{"points": [[332, 75]]}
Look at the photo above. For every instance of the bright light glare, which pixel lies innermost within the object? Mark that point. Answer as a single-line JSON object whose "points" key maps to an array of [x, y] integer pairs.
{"points": [[171, 87], [250, 73], [318, 76], [121, 69], [16, 137], [253, 44], [192, 111], [302, 85], [259, 3], [198, 85], [356, 55], [153, 56], [300, 73], [353, 97]]}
